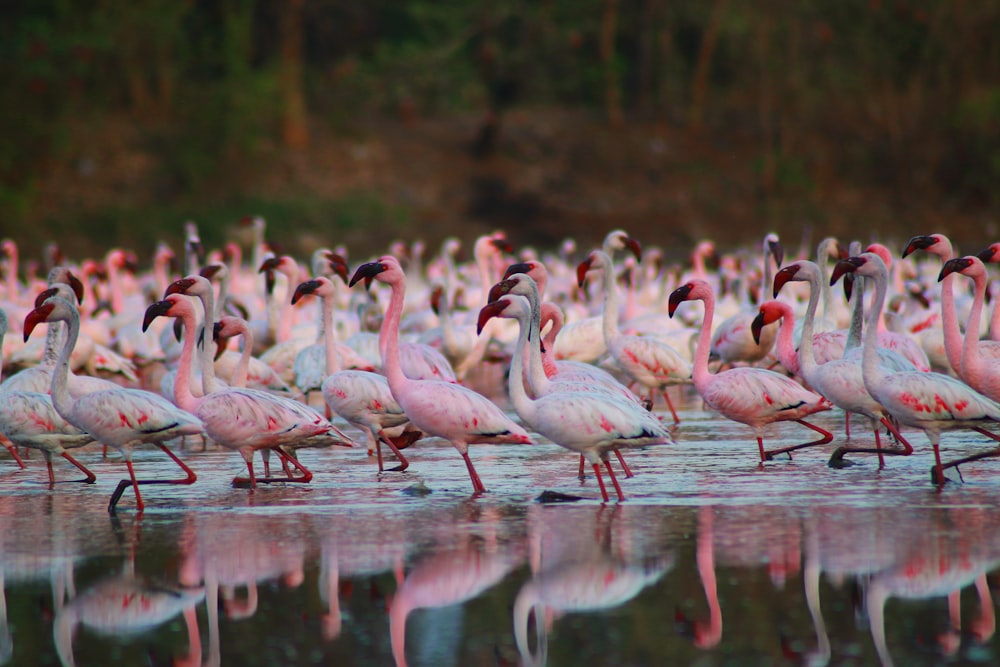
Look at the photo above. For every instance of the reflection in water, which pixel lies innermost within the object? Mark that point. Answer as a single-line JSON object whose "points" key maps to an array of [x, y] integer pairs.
{"points": [[441, 583], [575, 574]]}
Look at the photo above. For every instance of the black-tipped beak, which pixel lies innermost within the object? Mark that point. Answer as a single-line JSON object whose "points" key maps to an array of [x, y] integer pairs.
{"points": [[501, 288], [305, 289], [269, 264], [520, 267], [36, 317], [756, 326], [581, 272], [209, 271], [849, 265], [488, 312], [783, 276], [45, 294], [368, 272], [956, 265], [634, 247], [156, 310], [777, 251], [502, 245], [919, 243], [179, 287], [677, 297], [77, 286], [987, 254]]}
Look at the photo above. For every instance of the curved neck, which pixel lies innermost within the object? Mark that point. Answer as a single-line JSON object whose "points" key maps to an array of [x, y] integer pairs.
{"points": [[329, 341], [871, 371], [182, 383], [857, 313], [523, 405], [784, 345], [61, 399], [206, 356], [949, 323], [971, 360], [389, 339], [699, 369], [115, 285], [807, 359], [51, 353], [284, 329], [610, 304]]}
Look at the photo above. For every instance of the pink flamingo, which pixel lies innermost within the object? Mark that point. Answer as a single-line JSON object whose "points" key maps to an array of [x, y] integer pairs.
{"points": [[649, 362], [752, 396], [840, 381], [932, 402], [436, 407], [362, 398], [242, 419], [121, 418], [979, 370], [593, 424]]}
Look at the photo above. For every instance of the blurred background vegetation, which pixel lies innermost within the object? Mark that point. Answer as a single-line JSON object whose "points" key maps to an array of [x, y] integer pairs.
{"points": [[358, 121]]}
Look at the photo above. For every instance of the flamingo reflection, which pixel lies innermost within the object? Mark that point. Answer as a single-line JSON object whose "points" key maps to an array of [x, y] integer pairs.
{"points": [[601, 573], [451, 575]]}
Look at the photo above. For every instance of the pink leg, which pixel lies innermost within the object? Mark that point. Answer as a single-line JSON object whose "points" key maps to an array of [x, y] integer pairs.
{"points": [[477, 484], [600, 482], [621, 460], [378, 452], [614, 480], [190, 478], [52, 475], [91, 477], [878, 446], [760, 446], [580, 474], [403, 463], [827, 437], [265, 456], [670, 404], [847, 425], [13, 452], [937, 474], [286, 460], [906, 450]]}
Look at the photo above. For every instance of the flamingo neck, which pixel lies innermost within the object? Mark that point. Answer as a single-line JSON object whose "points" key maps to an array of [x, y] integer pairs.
{"points": [[389, 338], [857, 313], [13, 290], [971, 361], [59, 389], [610, 319], [871, 371], [785, 345], [206, 358], [115, 286], [523, 405], [284, 329], [183, 396], [699, 368], [807, 357], [329, 340], [160, 274]]}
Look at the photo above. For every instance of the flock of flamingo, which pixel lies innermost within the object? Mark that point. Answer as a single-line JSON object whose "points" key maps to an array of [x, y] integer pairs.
{"points": [[588, 366]]}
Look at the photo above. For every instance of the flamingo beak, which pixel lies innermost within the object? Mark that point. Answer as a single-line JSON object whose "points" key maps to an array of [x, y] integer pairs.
{"points": [[179, 287], [502, 245], [77, 286], [305, 289], [209, 271], [155, 310], [919, 243], [849, 265], [488, 312], [339, 267], [677, 297], [368, 272], [634, 247], [987, 254], [45, 294], [777, 251], [849, 286], [955, 265], [756, 326], [520, 267], [783, 276], [36, 317], [501, 288], [436, 295], [581, 272], [269, 264]]}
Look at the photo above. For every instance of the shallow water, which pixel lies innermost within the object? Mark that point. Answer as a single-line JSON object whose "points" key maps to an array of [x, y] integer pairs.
{"points": [[711, 560]]}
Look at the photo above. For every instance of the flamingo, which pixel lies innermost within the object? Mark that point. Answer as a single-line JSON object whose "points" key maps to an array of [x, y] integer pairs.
{"points": [[121, 418], [840, 381], [932, 402], [752, 396], [245, 420], [732, 340], [363, 398], [980, 370], [647, 361], [592, 424], [436, 407]]}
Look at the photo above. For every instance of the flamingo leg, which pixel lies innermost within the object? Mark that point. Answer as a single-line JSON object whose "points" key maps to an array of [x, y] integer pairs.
{"points": [[670, 404], [836, 459], [477, 484], [957, 462], [847, 425], [580, 474], [91, 477], [265, 455], [600, 482], [621, 460], [13, 452], [614, 480], [52, 475], [286, 459], [937, 473], [190, 478], [403, 463], [378, 453], [827, 437]]}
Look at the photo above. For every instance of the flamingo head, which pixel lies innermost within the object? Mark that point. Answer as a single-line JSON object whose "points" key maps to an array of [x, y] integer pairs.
{"points": [[283, 263], [596, 260], [770, 311], [500, 243], [922, 243], [523, 267], [617, 239], [512, 306], [990, 253], [310, 287], [45, 294], [160, 308], [40, 314], [188, 285], [338, 265], [969, 266], [61, 274], [680, 295], [386, 269], [773, 245], [213, 270], [785, 275], [845, 266], [436, 295]]}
